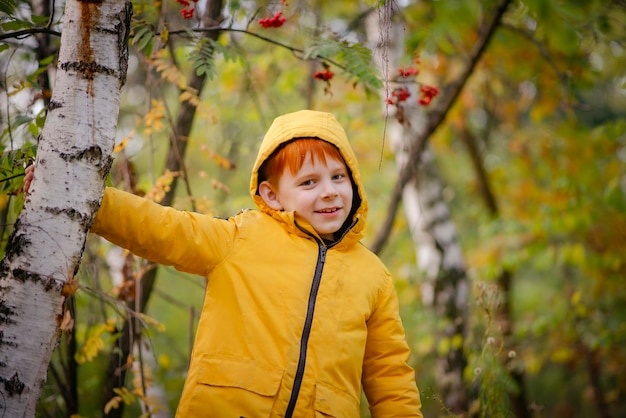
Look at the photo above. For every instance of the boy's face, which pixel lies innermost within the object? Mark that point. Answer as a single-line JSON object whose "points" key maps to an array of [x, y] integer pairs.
{"points": [[321, 194]]}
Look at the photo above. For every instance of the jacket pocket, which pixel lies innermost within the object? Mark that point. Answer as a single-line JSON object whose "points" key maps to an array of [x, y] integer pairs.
{"points": [[227, 388], [333, 402], [240, 374]]}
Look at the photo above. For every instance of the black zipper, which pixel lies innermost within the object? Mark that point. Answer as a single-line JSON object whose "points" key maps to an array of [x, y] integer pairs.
{"points": [[306, 332], [308, 322]]}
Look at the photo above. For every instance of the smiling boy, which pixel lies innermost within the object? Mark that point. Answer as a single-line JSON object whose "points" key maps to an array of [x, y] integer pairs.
{"points": [[316, 184], [298, 315]]}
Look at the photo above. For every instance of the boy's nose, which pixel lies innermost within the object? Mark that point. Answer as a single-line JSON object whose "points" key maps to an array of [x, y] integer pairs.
{"points": [[329, 189]]}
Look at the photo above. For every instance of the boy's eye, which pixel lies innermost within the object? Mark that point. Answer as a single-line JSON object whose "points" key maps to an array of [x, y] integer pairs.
{"points": [[307, 183], [339, 176]]}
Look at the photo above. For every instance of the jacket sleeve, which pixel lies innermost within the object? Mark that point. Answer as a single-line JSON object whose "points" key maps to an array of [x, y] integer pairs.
{"points": [[388, 380], [190, 242]]}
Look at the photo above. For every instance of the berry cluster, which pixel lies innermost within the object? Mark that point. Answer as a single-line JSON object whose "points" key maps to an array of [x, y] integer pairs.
{"points": [[408, 71], [324, 75], [188, 8], [401, 94], [398, 95], [275, 21], [428, 93]]}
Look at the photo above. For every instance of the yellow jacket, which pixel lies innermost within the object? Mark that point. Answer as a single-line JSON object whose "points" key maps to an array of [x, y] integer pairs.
{"points": [[290, 326]]}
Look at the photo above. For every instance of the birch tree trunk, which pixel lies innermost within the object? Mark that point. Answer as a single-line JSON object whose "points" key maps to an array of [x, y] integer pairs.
{"points": [[74, 156], [433, 232]]}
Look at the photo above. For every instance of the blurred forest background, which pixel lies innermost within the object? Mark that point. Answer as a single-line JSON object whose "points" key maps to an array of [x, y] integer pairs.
{"points": [[501, 124]]}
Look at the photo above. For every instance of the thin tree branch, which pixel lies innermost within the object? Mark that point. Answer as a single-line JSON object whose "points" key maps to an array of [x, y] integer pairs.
{"points": [[435, 119], [25, 33]]}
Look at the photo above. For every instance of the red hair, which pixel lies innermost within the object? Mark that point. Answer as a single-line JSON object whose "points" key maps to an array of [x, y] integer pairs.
{"points": [[293, 154]]}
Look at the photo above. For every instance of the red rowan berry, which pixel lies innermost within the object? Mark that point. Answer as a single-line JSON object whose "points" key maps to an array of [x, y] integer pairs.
{"points": [[275, 21], [428, 93], [408, 71], [187, 13], [324, 75]]}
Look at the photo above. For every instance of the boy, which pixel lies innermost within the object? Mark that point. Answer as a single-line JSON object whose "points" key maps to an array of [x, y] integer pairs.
{"points": [[297, 313]]}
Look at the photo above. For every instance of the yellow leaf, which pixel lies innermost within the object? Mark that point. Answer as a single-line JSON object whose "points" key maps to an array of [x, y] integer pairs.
{"points": [[444, 346], [562, 355], [164, 361], [457, 341], [148, 319], [122, 145], [125, 395], [92, 346], [164, 35], [114, 403], [68, 322]]}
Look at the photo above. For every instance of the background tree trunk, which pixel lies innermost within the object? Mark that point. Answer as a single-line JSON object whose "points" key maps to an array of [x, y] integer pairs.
{"points": [[438, 251], [74, 156]]}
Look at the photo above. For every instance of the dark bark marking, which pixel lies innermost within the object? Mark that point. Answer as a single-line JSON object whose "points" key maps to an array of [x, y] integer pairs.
{"points": [[6, 312], [49, 283], [93, 154], [14, 386], [53, 104], [4, 342], [71, 213], [88, 69], [123, 33], [17, 242], [23, 275], [93, 205], [105, 166]]}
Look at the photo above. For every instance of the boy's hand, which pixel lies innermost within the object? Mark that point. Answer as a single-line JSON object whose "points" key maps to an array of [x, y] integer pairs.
{"points": [[29, 173]]}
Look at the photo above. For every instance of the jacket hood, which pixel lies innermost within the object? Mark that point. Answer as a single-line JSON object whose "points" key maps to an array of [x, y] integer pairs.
{"points": [[310, 124]]}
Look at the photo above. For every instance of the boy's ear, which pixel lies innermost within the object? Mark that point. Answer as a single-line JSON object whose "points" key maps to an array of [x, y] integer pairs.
{"points": [[269, 196]]}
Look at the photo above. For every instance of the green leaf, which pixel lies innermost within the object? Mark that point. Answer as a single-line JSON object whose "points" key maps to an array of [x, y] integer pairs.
{"points": [[14, 25], [33, 130], [355, 59], [22, 119], [40, 19], [143, 35], [46, 61], [229, 54], [202, 57], [322, 49], [8, 7]]}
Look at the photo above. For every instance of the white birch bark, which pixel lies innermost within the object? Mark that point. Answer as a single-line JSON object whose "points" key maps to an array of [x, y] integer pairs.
{"points": [[438, 251], [73, 158]]}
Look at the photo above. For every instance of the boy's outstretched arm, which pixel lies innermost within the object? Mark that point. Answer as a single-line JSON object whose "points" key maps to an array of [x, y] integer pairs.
{"points": [[388, 380], [190, 242]]}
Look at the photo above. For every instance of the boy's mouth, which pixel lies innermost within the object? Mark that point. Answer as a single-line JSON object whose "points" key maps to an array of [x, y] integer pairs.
{"points": [[329, 210]]}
